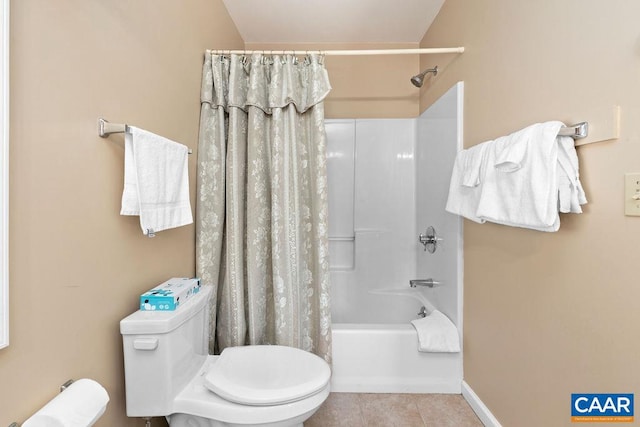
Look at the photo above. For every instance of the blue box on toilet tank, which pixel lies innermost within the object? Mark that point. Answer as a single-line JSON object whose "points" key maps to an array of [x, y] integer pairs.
{"points": [[169, 295]]}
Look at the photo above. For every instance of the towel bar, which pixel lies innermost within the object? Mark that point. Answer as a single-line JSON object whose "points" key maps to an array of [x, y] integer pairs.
{"points": [[105, 128], [577, 131]]}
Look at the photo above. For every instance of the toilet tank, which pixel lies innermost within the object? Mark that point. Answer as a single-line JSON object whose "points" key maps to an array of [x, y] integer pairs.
{"points": [[163, 350]]}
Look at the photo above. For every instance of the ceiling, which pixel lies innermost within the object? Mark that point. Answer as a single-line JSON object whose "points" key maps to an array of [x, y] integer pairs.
{"points": [[333, 21]]}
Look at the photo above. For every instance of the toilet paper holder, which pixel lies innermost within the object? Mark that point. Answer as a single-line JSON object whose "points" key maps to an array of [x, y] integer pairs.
{"points": [[63, 387]]}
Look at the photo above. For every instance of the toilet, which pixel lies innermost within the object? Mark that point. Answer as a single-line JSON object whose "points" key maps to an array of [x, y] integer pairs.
{"points": [[169, 373]]}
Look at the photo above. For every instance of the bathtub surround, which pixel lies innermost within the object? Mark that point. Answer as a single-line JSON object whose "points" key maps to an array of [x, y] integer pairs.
{"points": [[261, 232], [399, 185], [440, 135], [375, 208]]}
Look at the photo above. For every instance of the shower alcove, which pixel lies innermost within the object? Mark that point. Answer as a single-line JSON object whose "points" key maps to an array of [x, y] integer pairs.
{"points": [[388, 181]]}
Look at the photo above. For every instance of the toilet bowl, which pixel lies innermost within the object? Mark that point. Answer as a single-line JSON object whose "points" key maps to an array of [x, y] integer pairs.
{"points": [[198, 406], [169, 373]]}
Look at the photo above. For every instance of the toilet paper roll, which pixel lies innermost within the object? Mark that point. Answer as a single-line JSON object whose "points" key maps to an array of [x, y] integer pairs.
{"points": [[79, 405]]}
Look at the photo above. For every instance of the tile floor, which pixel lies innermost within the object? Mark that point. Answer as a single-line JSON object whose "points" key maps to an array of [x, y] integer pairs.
{"points": [[394, 410]]}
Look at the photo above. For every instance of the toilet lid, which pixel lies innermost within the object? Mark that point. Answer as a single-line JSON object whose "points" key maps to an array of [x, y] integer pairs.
{"points": [[266, 374]]}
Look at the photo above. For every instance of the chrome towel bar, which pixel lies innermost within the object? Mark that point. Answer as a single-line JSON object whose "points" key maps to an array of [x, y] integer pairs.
{"points": [[105, 128], [577, 131]]}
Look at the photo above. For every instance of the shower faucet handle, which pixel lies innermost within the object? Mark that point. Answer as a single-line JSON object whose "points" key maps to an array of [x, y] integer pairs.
{"points": [[429, 239]]}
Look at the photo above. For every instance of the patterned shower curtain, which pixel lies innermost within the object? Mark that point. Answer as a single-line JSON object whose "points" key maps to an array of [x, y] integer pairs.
{"points": [[261, 226]]}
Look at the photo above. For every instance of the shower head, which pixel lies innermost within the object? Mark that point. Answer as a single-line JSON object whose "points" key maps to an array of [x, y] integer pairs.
{"points": [[418, 80]]}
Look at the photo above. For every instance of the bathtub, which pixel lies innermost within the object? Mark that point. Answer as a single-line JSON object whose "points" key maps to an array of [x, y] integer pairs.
{"points": [[384, 358]]}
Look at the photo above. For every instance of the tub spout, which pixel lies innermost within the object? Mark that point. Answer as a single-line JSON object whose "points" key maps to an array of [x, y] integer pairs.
{"points": [[429, 283]]}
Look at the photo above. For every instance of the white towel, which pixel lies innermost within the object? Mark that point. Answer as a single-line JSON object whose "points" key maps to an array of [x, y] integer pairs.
{"points": [[511, 151], [520, 183], [156, 181], [437, 334], [466, 182], [473, 163], [570, 192]]}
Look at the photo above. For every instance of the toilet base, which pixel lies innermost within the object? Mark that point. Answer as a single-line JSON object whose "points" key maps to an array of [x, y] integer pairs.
{"points": [[186, 420]]}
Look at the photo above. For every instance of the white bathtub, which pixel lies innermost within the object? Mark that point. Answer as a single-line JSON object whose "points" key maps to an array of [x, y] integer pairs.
{"points": [[384, 358]]}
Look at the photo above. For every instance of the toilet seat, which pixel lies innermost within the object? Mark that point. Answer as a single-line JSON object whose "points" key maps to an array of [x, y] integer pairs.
{"points": [[264, 375], [197, 400]]}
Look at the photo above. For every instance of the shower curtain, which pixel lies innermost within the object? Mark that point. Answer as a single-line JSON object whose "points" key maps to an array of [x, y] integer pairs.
{"points": [[261, 217]]}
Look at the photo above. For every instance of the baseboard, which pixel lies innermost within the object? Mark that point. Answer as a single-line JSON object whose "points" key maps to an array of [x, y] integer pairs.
{"points": [[393, 385], [478, 407]]}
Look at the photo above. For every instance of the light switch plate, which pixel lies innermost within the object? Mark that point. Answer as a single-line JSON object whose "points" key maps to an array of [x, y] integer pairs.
{"points": [[632, 194]]}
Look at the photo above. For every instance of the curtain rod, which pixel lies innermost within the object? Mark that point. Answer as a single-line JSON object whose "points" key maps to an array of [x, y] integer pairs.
{"points": [[420, 51]]}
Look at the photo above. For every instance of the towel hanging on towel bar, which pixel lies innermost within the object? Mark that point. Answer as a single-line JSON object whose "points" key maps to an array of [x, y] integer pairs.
{"points": [[512, 182], [105, 128], [156, 181]]}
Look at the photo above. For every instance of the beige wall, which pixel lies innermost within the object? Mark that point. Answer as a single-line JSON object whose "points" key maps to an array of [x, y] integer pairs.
{"points": [[365, 86], [547, 315], [76, 265]]}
